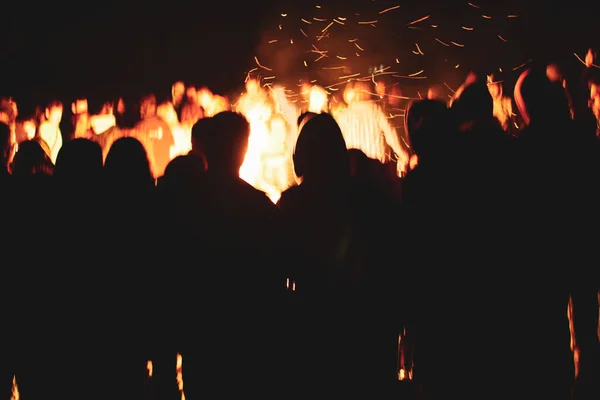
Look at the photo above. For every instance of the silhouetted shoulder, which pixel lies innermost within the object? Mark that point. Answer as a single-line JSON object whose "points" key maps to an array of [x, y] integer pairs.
{"points": [[288, 197], [257, 198]]}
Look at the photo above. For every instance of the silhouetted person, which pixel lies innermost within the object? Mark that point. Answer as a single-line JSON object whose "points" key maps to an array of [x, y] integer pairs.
{"points": [[434, 142], [331, 229], [32, 249], [77, 190], [554, 149], [155, 134], [493, 294], [7, 362], [552, 137], [79, 163], [485, 149], [128, 238], [230, 235]]}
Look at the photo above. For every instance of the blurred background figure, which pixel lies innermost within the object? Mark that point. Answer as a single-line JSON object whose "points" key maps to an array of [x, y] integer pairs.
{"points": [[177, 93], [365, 127], [435, 92], [211, 103], [182, 138], [318, 100], [49, 130], [81, 119]]}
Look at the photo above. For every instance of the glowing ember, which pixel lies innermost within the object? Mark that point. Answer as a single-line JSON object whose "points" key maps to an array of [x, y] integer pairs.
{"points": [[290, 284], [328, 46], [149, 368]]}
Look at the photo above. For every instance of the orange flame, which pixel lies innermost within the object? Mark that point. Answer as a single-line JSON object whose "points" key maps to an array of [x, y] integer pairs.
{"points": [[149, 368], [405, 367], [180, 375], [15, 389], [574, 347]]}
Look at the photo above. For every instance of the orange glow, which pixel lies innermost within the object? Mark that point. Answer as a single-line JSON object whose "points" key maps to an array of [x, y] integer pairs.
{"points": [[272, 123], [180, 375], [149, 368], [405, 365], [574, 347], [15, 389]]}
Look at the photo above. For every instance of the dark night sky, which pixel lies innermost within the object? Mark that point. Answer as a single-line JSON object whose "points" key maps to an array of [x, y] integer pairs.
{"points": [[63, 49]]}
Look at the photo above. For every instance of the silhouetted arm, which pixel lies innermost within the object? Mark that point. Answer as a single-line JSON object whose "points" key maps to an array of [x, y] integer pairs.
{"points": [[393, 140]]}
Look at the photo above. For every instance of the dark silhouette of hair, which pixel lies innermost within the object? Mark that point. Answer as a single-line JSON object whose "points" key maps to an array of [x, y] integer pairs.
{"points": [[127, 162], [321, 149], [427, 124], [304, 116], [80, 160], [540, 99], [226, 142], [475, 103], [200, 131]]}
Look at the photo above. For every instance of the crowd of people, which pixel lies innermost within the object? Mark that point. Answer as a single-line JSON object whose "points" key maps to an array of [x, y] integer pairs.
{"points": [[124, 245]]}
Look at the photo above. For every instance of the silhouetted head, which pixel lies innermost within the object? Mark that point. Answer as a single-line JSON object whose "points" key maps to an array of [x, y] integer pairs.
{"points": [[225, 143], [471, 78], [200, 131], [475, 104], [428, 125], [321, 151], [184, 169], [79, 161], [31, 159], [540, 100], [303, 118], [127, 162]]}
